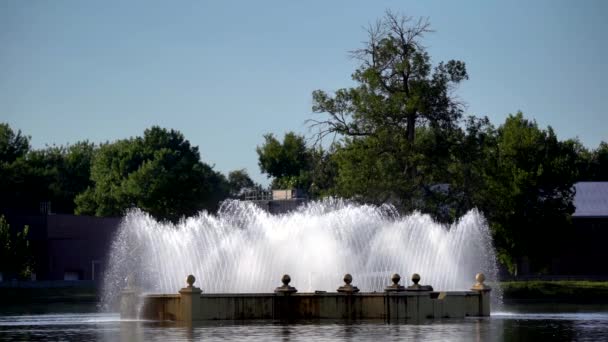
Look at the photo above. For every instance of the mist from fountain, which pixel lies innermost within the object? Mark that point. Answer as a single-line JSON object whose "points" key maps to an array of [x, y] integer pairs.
{"points": [[243, 249]]}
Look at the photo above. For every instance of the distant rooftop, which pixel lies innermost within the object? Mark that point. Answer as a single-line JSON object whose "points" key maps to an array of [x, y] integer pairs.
{"points": [[591, 199]]}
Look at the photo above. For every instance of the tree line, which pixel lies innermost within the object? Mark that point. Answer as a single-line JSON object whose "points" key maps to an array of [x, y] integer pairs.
{"points": [[398, 136], [159, 172]]}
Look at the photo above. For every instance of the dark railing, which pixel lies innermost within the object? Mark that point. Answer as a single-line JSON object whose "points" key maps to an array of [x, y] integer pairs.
{"points": [[258, 195], [269, 195]]}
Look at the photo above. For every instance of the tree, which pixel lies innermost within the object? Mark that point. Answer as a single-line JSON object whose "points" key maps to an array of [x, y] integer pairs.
{"points": [[22, 186], [54, 174], [13, 148], [73, 176], [63, 172], [529, 191], [323, 172], [398, 94], [15, 254], [461, 173], [288, 162], [583, 160], [239, 182], [160, 173], [13, 145], [598, 164]]}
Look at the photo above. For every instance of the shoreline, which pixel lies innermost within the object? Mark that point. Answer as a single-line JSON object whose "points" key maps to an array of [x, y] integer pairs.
{"points": [[514, 292], [555, 291], [48, 295]]}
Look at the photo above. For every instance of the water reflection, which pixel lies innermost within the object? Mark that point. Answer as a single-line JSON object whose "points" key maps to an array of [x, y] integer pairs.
{"points": [[581, 324]]}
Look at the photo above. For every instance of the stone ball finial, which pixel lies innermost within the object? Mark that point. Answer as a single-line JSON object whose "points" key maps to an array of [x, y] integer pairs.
{"points": [[348, 278], [395, 278], [479, 285], [418, 287], [415, 278], [285, 288], [347, 287], [286, 279], [190, 280]]}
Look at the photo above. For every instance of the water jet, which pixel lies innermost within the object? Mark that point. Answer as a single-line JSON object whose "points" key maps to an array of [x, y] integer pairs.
{"points": [[239, 252]]}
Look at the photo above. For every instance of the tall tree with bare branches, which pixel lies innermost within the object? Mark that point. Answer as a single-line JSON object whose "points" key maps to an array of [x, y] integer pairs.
{"points": [[399, 94]]}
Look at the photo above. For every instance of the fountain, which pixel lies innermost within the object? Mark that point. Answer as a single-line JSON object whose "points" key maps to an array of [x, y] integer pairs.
{"points": [[242, 250]]}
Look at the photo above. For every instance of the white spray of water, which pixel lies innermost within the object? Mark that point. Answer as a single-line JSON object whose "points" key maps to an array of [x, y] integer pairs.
{"points": [[244, 249]]}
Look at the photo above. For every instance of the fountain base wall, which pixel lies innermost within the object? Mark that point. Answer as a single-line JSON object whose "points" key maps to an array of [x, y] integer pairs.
{"points": [[190, 306]]}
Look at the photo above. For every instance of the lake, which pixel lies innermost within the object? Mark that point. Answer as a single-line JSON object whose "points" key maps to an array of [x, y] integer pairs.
{"points": [[535, 322]]}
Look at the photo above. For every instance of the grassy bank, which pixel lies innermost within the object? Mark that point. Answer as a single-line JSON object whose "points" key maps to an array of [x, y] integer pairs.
{"points": [[49, 295], [563, 291]]}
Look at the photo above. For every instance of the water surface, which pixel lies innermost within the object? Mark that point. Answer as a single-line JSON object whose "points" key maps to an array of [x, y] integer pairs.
{"points": [[514, 323]]}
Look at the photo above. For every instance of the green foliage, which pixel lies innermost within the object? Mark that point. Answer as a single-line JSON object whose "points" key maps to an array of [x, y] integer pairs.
{"points": [[288, 162], [600, 162], [401, 139], [594, 164], [323, 171], [54, 174], [396, 124], [520, 176], [14, 174], [15, 254], [239, 182], [65, 171], [529, 190], [370, 175], [283, 159], [160, 173], [571, 290], [13, 145], [292, 165], [469, 173]]}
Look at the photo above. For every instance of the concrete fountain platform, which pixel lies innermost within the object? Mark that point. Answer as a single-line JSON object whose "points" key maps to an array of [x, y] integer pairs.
{"points": [[395, 303]]}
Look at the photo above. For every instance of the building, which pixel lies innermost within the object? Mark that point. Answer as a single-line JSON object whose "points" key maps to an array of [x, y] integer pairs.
{"points": [[277, 201], [583, 255], [67, 247], [586, 253]]}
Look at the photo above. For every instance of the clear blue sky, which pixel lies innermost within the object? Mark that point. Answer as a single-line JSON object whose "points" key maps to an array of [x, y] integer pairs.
{"points": [[226, 72]]}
